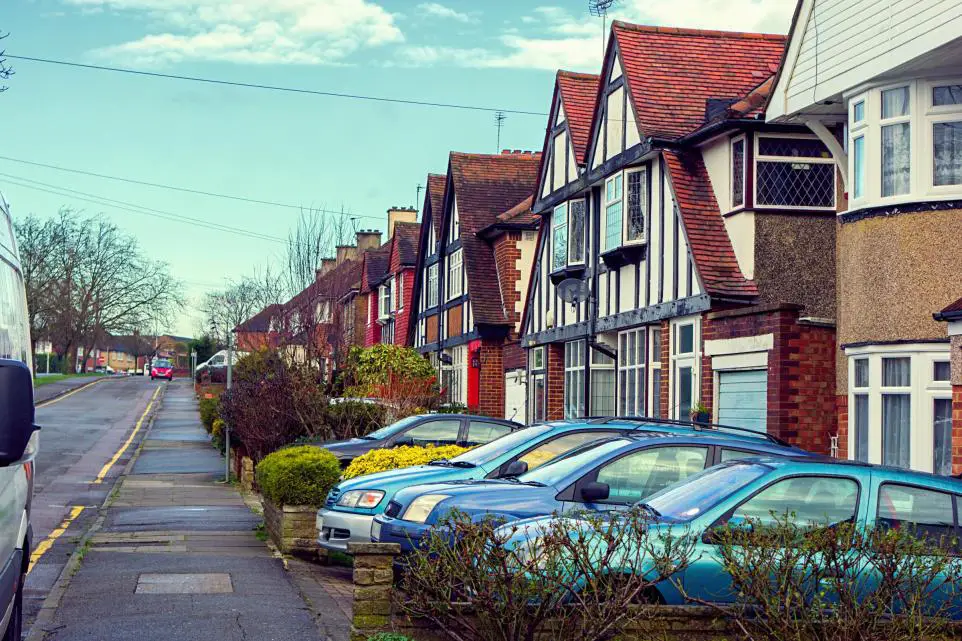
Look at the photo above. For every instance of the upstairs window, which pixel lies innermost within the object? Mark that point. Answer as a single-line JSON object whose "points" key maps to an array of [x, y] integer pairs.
{"points": [[384, 309], [637, 209], [896, 142], [947, 134], [399, 292], [794, 172], [455, 274], [614, 188], [738, 173], [559, 237], [576, 232], [432, 293]]}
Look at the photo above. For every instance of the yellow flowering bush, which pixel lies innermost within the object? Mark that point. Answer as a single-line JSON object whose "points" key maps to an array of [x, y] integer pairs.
{"points": [[398, 457]]}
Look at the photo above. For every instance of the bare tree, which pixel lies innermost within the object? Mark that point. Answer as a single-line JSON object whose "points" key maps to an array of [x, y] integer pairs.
{"points": [[315, 237], [5, 70], [37, 243]]}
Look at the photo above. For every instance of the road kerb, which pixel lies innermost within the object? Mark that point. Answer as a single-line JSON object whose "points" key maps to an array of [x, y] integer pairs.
{"points": [[48, 611]]}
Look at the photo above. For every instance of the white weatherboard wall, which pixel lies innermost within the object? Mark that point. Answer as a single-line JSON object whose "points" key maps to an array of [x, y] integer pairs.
{"points": [[839, 44]]}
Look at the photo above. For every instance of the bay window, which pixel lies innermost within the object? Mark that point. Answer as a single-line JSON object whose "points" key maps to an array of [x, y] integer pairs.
{"points": [[559, 237], [896, 141], [614, 188], [432, 286], [576, 232], [455, 274], [900, 406], [574, 379], [637, 208], [793, 171]]}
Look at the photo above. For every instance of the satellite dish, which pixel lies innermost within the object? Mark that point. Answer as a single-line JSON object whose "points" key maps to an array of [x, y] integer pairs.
{"points": [[573, 290]]}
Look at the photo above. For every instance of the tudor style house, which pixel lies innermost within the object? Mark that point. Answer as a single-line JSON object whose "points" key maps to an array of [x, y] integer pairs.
{"points": [[686, 255], [387, 280], [889, 76], [475, 252]]}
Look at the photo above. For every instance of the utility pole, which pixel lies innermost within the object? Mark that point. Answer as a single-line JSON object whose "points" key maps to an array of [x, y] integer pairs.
{"points": [[230, 372], [499, 119], [417, 197]]}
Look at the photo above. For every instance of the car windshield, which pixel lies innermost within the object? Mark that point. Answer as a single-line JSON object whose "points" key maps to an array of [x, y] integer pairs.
{"points": [[490, 451], [700, 492], [559, 469], [391, 429], [162, 363]]}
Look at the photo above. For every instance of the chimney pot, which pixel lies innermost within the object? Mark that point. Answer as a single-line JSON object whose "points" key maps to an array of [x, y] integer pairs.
{"points": [[368, 239], [397, 215], [345, 253]]}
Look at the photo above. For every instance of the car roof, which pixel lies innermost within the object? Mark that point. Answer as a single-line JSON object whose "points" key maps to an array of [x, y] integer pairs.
{"points": [[476, 417], [841, 466], [648, 438]]}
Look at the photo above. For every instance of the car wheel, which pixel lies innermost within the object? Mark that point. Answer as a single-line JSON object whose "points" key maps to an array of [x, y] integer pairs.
{"points": [[15, 625]]}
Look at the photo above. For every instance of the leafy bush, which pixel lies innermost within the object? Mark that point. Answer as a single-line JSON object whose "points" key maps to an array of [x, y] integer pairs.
{"points": [[398, 457], [354, 418], [273, 403], [373, 366], [217, 433], [389, 636], [209, 412], [298, 475]]}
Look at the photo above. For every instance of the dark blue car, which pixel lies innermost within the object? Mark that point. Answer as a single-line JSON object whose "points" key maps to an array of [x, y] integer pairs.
{"points": [[607, 474]]}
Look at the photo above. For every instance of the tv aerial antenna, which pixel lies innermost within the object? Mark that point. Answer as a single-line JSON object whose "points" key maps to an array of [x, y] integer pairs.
{"points": [[599, 9]]}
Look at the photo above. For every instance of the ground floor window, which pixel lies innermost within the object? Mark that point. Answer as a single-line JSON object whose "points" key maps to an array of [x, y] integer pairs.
{"points": [[387, 333], [602, 384], [654, 373], [631, 372], [537, 387], [684, 360], [454, 375], [574, 393], [900, 407]]}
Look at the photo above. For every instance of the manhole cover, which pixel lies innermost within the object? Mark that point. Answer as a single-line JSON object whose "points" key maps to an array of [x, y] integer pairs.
{"points": [[184, 584]]}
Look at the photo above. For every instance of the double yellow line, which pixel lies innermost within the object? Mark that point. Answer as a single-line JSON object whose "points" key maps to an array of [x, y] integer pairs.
{"points": [[123, 448], [47, 543]]}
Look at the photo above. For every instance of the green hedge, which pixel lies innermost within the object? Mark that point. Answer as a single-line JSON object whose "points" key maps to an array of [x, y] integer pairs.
{"points": [[209, 412], [298, 475]]}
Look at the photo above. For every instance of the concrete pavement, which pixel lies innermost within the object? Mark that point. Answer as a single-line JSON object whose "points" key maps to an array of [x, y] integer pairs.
{"points": [[174, 554]]}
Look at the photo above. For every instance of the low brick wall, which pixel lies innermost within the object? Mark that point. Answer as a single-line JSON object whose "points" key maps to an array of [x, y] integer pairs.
{"points": [[374, 609], [292, 528]]}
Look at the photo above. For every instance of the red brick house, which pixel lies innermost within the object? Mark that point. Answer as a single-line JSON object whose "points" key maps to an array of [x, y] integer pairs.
{"points": [[477, 242], [387, 281], [695, 243], [260, 331]]}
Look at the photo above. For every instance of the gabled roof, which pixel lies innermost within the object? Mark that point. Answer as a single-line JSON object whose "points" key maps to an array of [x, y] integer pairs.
{"points": [[578, 91], [485, 186], [406, 242], [376, 263], [672, 73], [436, 185], [331, 286], [261, 321], [520, 214], [711, 247], [951, 313]]}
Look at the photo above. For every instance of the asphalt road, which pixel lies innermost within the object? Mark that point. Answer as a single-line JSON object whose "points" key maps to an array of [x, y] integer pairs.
{"points": [[80, 433]]}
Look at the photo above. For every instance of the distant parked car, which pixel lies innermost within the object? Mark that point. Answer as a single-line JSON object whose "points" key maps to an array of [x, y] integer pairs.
{"points": [[609, 474], [424, 429], [162, 368]]}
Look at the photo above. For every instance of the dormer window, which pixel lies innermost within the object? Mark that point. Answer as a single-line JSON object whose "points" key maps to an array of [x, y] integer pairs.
{"points": [[568, 235], [738, 172], [614, 194], [384, 297], [637, 206], [559, 237]]}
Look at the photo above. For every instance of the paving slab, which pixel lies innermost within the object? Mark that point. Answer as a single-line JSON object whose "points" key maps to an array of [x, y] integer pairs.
{"points": [[185, 517], [187, 460]]}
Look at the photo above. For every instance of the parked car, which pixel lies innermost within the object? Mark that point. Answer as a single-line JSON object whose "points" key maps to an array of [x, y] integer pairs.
{"points": [[161, 368], [424, 429], [813, 492], [607, 474], [19, 437], [104, 369]]}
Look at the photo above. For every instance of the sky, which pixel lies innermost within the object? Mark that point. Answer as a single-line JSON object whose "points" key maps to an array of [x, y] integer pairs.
{"points": [[295, 149]]}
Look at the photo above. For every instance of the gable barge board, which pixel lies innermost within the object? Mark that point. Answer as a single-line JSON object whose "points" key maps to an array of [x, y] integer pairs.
{"points": [[654, 313]]}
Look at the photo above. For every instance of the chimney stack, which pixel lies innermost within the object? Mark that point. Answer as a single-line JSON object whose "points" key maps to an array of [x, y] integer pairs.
{"points": [[397, 215], [327, 264], [344, 253], [368, 239]]}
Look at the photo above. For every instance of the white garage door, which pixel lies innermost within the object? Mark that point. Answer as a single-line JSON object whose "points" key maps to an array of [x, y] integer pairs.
{"points": [[743, 399]]}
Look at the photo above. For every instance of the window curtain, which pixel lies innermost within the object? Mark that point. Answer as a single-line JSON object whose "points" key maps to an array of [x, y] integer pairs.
{"points": [[947, 142], [942, 428], [896, 154], [896, 447], [861, 428]]}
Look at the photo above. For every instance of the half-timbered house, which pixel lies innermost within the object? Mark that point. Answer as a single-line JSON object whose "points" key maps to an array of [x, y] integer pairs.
{"points": [[703, 240]]}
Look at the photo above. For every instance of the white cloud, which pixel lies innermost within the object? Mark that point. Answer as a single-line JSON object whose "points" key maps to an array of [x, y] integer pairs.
{"points": [[251, 31], [440, 11]]}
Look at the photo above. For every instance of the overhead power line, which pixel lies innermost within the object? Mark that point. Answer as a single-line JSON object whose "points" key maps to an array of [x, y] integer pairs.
{"points": [[186, 190], [253, 85]]}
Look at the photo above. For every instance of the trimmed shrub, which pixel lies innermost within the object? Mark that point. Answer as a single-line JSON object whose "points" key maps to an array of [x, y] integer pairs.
{"points": [[209, 412], [398, 457], [354, 418], [217, 433], [298, 475], [389, 636]]}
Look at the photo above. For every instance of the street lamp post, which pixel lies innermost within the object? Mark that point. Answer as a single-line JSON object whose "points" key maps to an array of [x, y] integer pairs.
{"points": [[230, 371]]}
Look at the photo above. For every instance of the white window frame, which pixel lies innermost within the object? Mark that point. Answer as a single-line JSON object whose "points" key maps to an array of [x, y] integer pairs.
{"points": [[923, 391], [455, 274], [743, 139], [457, 375], [574, 362], [601, 362], [685, 359], [628, 362], [613, 201], [399, 292], [791, 159], [559, 221], [559, 178], [384, 301], [932, 116], [536, 372], [432, 287], [646, 208]]}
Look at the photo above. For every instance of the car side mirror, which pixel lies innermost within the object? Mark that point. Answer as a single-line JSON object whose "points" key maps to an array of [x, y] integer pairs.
{"points": [[16, 410], [403, 441], [515, 468], [595, 491]]}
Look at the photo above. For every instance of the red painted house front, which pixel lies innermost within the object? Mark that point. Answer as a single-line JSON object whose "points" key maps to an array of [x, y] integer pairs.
{"points": [[388, 280]]}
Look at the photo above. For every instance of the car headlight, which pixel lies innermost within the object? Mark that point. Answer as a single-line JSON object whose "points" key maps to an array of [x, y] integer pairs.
{"points": [[421, 507], [361, 498]]}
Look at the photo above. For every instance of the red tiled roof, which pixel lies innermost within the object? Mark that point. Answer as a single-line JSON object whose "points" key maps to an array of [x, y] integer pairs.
{"points": [[952, 312], [261, 321], [436, 186], [331, 286], [406, 241], [672, 73], [520, 214], [578, 91], [710, 244], [376, 263], [486, 186]]}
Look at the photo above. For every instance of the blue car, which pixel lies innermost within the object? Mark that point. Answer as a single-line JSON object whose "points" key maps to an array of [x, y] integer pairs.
{"points": [[351, 505], [606, 474], [815, 492]]}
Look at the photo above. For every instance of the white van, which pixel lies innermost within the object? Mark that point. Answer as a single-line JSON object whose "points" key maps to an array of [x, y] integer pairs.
{"points": [[18, 433]]}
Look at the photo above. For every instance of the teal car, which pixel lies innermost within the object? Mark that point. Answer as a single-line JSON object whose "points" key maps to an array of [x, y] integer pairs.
{"points": [[351, 506], [759, 490]]}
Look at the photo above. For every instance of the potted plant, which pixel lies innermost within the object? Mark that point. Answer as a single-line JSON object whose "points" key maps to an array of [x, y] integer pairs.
{"points": [[700, 413]]}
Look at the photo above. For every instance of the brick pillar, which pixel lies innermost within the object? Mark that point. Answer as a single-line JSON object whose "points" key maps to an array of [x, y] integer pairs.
{"points": [[373, 585], [707, 377], [555, 373], [841, 405], [491, 388]]}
